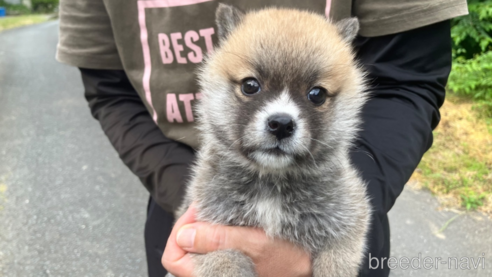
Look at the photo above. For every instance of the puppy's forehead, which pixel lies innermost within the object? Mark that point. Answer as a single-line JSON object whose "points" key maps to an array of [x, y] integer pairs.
{"points": [[287, 49]]}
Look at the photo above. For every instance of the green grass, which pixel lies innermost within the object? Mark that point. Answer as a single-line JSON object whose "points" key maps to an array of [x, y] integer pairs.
{"points": [[458, 167], [10, 22]]}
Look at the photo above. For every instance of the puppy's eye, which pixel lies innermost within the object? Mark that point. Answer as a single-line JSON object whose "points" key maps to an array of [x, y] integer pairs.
{"points": [[317, 95], [250, 86]]}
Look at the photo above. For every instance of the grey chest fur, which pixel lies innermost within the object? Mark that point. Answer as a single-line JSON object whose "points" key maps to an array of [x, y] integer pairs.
{"points": [[305, 210]]}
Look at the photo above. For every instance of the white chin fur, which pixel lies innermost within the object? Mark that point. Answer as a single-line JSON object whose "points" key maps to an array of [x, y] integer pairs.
{"points": [[271, 160]]}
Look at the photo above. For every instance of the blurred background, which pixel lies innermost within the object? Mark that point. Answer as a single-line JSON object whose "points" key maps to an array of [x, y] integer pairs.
{"points": [[69, 207]]}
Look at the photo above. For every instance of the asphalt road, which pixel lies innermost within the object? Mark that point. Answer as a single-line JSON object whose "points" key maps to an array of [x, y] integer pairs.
{"points": [[419, 226], [69, 207]]}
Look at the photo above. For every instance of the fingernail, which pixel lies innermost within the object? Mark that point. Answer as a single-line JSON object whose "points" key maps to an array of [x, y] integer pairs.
{"points": [[186, 237]]}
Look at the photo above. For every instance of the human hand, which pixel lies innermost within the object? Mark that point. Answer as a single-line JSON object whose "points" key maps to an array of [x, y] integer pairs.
{"points": [[272, 257]]}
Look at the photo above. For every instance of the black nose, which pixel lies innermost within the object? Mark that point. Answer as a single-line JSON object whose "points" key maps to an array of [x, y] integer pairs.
{"points": [[281, 126]]}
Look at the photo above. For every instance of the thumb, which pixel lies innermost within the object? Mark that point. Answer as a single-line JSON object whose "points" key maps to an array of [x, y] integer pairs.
{"points": [[173, 252], [205, 237]]}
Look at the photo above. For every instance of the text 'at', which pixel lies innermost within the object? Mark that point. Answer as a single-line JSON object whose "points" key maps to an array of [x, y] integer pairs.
{"points": [[172, 108]]}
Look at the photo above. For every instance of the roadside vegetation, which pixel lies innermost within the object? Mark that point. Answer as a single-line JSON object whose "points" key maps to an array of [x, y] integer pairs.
{"points": [[20, 15], [458, 168], [21, 20]]}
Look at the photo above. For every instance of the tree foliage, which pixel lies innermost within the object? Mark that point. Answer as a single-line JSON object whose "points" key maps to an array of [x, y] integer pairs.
{"points": [[38, 6], [44, 6], [15, 9], [472, 53]]}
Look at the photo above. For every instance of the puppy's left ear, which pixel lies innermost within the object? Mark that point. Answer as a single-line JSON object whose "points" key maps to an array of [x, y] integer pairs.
{"points": [[348, 28], [227, 18]]}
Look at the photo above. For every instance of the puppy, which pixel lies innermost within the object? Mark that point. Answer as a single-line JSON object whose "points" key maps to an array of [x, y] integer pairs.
{"points": [[280, 108]]}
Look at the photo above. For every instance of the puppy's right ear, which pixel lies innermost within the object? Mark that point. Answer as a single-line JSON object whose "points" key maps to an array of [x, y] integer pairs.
{"points": [[348, 28], [227, 19]]}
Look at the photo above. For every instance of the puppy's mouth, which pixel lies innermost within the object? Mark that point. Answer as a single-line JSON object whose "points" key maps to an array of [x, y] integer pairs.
{"points": [[274, 157], [274, 151]]}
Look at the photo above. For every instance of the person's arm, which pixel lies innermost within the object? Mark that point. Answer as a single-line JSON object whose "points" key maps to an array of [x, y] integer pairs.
{"points": [[160, 163], [408, 72], [86, 41]]}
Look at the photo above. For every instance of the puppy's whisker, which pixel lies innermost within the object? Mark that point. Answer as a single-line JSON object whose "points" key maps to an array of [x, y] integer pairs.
{"points": [[322, 143], [365, 152], [235, 142], [311, 154]]}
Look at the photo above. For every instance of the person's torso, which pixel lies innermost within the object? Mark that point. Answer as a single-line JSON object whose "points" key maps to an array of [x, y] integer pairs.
{"points": [[161, 43]]}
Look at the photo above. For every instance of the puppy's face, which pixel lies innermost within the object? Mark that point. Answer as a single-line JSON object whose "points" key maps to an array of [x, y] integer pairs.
{"points": [[282, 90]]}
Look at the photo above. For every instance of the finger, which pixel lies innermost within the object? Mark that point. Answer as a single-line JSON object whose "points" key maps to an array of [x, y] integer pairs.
{"points": [[177, 252], [183, 267], [205, 237], [174, 256]]}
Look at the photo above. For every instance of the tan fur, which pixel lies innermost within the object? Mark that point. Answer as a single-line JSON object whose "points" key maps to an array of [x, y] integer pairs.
{"points": [[273, 28]]}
